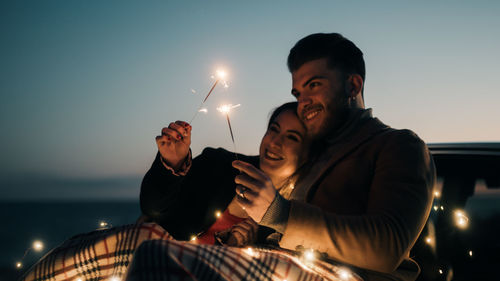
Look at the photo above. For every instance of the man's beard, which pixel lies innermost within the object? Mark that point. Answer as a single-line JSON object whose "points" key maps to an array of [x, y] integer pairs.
{"points": [[336, 116]]}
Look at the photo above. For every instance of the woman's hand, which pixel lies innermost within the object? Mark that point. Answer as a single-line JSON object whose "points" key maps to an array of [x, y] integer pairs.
{"points": [[243, 233], [173, 143], [255, 190]]}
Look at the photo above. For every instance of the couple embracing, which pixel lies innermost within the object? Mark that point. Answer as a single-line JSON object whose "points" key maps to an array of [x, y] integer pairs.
{"points": [[329, 177], [330, 181]]}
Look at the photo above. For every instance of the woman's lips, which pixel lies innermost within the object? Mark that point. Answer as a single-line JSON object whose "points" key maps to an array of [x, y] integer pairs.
{"points": [[272, 156]]}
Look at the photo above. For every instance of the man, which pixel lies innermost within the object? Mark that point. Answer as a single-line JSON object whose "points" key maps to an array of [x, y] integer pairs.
{"points": [[366, 192]]}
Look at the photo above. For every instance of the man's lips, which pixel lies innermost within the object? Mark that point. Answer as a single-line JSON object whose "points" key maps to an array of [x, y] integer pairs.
{"points": [[311, 113]]}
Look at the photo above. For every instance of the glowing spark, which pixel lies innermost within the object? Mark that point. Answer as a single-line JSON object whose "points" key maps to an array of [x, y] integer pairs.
{"points": [[193, 238], [442, 208], [79, 279], [37, 245], [344, 274], [461, 219], [19, 264], [217, 214], [440, 271], [114, 278], [428, 240], [221, 74], [309, 255], [204, 110], [470, 253], [226, 108], [437, 194], [103, 224], [436, 208]]}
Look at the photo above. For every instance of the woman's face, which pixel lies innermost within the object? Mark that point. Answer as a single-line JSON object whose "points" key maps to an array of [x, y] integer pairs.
{"points": [[282, 147]]}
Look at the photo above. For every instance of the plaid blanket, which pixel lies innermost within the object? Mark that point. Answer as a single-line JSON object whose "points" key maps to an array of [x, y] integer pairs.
{"points": [[177, 260], [98, 255], [154, 255]]}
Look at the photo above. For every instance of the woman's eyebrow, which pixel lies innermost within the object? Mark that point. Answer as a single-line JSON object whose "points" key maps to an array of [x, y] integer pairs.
{"points": [[296, 132]]}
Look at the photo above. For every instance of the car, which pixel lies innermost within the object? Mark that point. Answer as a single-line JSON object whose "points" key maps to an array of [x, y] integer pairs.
{"points": [[461, 238]]}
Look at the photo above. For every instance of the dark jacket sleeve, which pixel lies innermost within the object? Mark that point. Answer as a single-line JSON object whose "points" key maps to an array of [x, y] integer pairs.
{"points": [[186, 205], [399, 203]]}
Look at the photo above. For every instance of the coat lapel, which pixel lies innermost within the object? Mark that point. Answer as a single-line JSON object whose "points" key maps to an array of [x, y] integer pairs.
{"points": [[333, 154]]}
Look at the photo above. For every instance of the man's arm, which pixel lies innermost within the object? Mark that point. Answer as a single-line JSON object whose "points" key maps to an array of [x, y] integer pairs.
{"points": [[399, 203]]}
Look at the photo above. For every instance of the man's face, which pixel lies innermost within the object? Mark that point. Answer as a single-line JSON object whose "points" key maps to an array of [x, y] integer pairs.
{"points": [[321, 95]]}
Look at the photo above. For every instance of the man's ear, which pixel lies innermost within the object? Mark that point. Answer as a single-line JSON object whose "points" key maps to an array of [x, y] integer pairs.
{"points": [[354, 85]]}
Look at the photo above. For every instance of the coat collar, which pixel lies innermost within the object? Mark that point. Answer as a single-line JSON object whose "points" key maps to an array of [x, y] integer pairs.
{"points": [[358, 129]]}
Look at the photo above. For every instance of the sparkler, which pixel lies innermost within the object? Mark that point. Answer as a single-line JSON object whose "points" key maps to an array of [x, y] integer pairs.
{"points": [[225, 109], [221, 74]]}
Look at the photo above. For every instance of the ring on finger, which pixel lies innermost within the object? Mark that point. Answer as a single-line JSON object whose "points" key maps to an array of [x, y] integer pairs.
{"points": [[242, 192]]}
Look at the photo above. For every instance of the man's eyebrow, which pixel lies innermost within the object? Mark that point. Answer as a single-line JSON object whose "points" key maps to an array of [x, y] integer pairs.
{"points": [[312, 78]]}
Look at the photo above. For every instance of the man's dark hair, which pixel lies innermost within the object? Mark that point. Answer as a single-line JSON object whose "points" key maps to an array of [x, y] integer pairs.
{"points": [[341, 53]]}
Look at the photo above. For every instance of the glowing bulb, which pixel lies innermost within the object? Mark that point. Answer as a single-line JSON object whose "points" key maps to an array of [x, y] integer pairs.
{"points": [[461, 219], [19, 264], [344, 274], [428, 240], [250, 251], [437, 194], [103, 224], [442, 208], [309, 255], [436, 208], [217, 214], [440, 271], [193, 238], [37, 245], [470, 253]]}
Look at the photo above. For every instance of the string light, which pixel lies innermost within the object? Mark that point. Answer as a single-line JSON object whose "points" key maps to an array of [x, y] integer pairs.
{"points": [[37, 245], [103, 224], [344, 274], [461, 219], [428, 240], [309, 255]]}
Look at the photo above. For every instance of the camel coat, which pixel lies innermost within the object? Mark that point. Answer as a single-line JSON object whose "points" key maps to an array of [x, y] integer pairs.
{"points": [[364, 200]]}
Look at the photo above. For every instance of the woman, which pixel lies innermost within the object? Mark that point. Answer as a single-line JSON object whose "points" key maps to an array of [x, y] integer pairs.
{"points": [[187, 198]]}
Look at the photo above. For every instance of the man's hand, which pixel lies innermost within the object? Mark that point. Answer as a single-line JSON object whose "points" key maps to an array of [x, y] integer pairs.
{"points": [[255, 190], [243, 233], [174, 142]]}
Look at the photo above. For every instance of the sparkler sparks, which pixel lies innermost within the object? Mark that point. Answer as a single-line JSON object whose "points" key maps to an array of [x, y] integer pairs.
{"points": [[225, 109], [220, 75], [461, 219]]}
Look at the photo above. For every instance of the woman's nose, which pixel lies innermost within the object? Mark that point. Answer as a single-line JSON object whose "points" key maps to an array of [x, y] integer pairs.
{"points": [[276, 141]]}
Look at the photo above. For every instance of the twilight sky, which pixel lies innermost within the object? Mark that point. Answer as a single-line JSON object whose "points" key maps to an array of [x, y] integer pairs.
{"points": [[85, 86]]}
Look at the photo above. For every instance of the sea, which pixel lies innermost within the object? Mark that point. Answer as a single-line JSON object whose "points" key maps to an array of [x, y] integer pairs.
{"points": [[22, 223]]}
